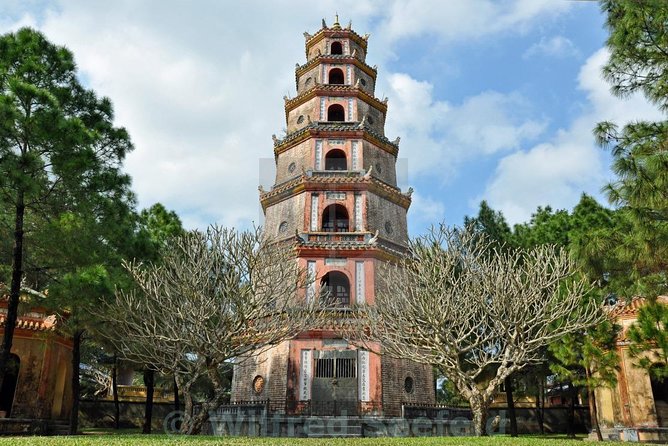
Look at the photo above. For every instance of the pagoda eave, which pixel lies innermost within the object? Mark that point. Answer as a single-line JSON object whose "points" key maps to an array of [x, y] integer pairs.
{"points": [[315, 130], [336, 33], [333, 89]]}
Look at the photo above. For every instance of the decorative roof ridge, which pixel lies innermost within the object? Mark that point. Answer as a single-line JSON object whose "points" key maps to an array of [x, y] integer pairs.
{"points": [[355, 89], [313, 38], [315, 60], [332, 125], [624, 308]]}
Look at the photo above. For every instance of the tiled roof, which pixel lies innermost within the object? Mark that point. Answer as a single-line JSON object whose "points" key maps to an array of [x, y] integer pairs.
{"points": [[344, 177], [48, 323], [349, 90], [622, 308], [334, 127], [342, 57]]}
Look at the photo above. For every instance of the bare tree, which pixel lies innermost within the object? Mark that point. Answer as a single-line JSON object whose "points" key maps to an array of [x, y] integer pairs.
{"points": [[215, 297], [476, 313]]}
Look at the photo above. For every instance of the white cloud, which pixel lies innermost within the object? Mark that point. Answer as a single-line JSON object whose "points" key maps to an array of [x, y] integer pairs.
{"points": [[558, 171], [437, 136], [557, 46], [464, 19], [199, 88], [425, 209]]}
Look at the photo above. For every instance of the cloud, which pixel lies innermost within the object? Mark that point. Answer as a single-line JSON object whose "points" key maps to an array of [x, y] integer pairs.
{"points": [[425, 209], [462, 20], [199, 88], [437, 136], [556, 47], [556, 172]]}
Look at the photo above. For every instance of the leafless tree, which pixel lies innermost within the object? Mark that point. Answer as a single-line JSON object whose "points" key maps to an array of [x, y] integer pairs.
{"points": [[476, 313], [215, 297]]}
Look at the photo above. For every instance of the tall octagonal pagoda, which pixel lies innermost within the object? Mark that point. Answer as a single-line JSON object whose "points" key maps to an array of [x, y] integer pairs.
{"points": [[335, 193]]}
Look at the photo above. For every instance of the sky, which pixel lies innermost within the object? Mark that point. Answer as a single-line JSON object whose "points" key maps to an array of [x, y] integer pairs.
{"points": [[493, 99]]}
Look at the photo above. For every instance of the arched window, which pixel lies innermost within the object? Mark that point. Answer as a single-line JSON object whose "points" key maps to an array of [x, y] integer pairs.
{"points": [[336, 160], [335, 219], [336, 76], [335, 288], [336, 113], [336, 48], [9, 384]]}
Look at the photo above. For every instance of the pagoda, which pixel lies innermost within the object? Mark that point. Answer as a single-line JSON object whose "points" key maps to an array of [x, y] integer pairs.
{"points": [[336, 194]]}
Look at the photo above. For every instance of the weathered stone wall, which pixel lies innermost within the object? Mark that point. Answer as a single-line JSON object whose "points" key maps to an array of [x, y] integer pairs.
{"points": [[384, 164], [272, 366], [300, 155], [394, 374], [45, 374], [290, 211], [309, 79], [375, 118], [303, 112], [379, 212]]}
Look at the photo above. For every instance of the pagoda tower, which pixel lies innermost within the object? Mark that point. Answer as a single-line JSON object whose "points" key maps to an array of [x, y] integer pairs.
{"points": [[336, 194]]}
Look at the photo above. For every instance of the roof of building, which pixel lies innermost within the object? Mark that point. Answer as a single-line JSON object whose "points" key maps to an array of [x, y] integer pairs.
{"points": [[624, 309]]}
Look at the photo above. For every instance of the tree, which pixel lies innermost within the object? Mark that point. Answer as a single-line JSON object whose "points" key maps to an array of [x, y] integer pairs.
{"points": [[60, 153], [588, 358], [649, 338], [477, 316], [214, 297], [638, 45]]}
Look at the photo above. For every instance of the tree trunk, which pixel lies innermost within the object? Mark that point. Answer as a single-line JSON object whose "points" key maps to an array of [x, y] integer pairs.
{"points": [[177, 403], [76, 360], [511, 406], [593, 412], [114, 389], [479, 412], [149, 382], [571, 409], [539, 405], [15, 287]]}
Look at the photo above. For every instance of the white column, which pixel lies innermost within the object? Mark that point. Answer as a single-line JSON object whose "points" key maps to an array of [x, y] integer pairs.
{"points": [[359, 221], [355, 156], [322, 110], [314, 212], [310, 291], [306, 375], [363, 374], [350, 110], [359, 283], [318, 154]]}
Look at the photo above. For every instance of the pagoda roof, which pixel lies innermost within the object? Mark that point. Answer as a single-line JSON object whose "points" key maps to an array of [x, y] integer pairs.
{"points": [[354, 128], [336, 58], [331, 90], [345, 180], [336, 32]]}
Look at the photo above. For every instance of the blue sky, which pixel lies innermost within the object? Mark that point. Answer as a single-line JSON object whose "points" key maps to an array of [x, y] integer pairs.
{"points": [[493, 100]]}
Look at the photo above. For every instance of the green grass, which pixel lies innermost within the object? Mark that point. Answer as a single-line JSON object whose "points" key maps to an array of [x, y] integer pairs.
{"points": [[133, 439]]}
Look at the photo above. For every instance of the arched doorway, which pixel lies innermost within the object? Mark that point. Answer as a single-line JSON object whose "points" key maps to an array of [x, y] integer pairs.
{"points": [[9, 384], [335, 288], [336, 48], [335, 219], [660, 394], [336, 76], [336, 113], [336, 160]]}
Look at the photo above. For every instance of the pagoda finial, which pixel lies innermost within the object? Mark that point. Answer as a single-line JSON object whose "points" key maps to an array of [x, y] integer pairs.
{"points": [[336, 24]]}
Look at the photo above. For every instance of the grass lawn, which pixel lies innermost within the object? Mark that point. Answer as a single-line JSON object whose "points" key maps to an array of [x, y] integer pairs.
{"points": [[134, 439]]}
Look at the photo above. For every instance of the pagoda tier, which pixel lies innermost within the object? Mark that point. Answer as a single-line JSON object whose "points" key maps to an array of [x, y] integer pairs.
{"points": [[335, 197]]}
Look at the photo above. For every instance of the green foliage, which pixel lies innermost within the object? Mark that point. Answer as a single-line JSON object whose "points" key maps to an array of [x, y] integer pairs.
{"points": [[588, 358], [448, 395], [637, 42], [491, 223], [649, 336]]}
